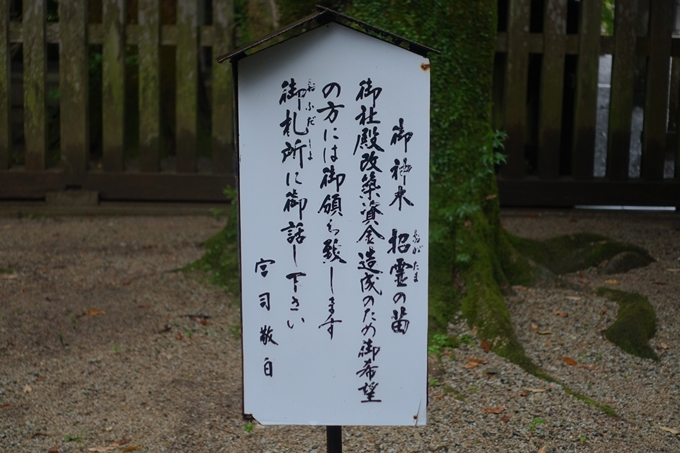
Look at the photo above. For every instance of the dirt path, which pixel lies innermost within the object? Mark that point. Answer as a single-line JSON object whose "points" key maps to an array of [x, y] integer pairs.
{"points": [[97, 346]]}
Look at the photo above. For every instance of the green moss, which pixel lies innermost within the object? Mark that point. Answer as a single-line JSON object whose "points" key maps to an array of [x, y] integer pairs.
{"points": [[452, 391], [573, 252], [220, 264], [635, 323], [604, 408], [6, 271]]}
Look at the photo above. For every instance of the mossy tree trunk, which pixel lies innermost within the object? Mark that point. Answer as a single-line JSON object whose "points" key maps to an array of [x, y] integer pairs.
{"points": [[467, 246], [469, 252]]}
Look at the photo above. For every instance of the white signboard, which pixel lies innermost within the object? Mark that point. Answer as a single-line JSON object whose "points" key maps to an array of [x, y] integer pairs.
{"points": [[334, 175]]}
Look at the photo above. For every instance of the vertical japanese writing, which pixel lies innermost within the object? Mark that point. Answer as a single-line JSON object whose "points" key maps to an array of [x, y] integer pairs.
{"points": [[266, 331], [332, 181], [298, 119], [367, 145]]}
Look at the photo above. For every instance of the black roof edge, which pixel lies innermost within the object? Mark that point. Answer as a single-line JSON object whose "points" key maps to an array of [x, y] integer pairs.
{"points": [[324, 15]]}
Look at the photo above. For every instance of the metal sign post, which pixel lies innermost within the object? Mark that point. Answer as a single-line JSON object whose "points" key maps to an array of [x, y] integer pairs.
{"points": [[334, 439]]}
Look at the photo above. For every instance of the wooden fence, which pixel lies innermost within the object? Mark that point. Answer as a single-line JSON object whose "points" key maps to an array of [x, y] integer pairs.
{"points": [[546, 99], [114, 34], [545, 90]]}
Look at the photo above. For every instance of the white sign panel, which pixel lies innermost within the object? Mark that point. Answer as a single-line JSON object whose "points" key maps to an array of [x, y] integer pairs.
{"points": [[334, 175]]}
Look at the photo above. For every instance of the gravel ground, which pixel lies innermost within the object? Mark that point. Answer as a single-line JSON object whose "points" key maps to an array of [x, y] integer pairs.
{"points": [[74, 378]]}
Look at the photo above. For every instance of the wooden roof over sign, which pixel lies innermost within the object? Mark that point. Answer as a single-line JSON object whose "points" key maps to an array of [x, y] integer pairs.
{"points": [[322, 16]]}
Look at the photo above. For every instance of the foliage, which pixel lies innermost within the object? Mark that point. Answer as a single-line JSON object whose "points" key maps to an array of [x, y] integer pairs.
{"points": [[76, 439], [440, 342], [608, 17], [535, 422]]}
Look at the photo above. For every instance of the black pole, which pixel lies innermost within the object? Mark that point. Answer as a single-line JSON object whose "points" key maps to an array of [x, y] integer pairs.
{"points": [[334, 439]]}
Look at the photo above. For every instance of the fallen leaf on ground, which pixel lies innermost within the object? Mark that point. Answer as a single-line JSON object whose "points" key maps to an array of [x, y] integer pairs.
{"points": [[536, 390], [534, 326], [101, 449], [589, 367], [132, 448], [665, 346], [670, 430], [438, 397], [548, 343], [27, 388], [144, 306], [611, 282], [54, 449], [203, 319], [121, 442], [603, 311], [179, 336], [523, 393], [485, 346], [38, 434], [576, 298], [40, 378], [559, 313], [108, 428], [480, 361], [95, 312], [471, 365], [544, 332], [6, 227], [6, 406], [569, 361], [495, 410], [505, 418], [543, 449], [521, 287], [9, 276], [673, 270], [657, 282]]}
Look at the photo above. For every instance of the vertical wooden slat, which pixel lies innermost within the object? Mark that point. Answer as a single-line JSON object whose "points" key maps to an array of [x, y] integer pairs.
{"points": [[516, 88], [35, 68], [5, 89], [552, 75], [585, 104], [113, 84], [674, 91], [222, 90], [621, 104], [654, 136], [149, 84], [73, 84], [187, 83]]}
